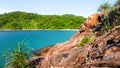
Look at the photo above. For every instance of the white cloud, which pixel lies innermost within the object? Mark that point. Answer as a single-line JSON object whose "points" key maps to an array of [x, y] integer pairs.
{"points": [[3, 10]]}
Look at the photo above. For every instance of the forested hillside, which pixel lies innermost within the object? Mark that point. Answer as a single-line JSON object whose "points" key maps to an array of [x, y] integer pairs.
{"points": [[24, 20]]}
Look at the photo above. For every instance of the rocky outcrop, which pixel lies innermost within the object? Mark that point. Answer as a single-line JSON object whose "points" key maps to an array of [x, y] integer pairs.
{"points": [[104, 52], [92, 21]]}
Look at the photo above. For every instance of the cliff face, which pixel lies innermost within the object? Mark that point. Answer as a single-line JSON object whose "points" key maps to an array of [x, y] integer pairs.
{"points": [[103, 52]]}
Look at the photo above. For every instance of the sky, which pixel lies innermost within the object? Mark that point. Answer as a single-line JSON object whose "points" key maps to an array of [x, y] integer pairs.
{"points": [[53, 7]]}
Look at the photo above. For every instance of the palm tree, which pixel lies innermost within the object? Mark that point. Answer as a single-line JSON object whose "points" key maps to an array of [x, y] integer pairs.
{"points": [[104, 8], [117, 4]]}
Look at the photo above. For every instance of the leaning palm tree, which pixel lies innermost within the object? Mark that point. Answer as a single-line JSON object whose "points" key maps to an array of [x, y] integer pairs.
{"points": [[104, 8]]}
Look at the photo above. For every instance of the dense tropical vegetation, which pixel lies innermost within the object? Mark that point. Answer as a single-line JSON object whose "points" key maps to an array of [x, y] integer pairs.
{"points": [[23, 20]]}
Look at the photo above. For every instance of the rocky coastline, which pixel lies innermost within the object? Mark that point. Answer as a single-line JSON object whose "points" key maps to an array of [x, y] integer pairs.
{"points": [[103, 52]]}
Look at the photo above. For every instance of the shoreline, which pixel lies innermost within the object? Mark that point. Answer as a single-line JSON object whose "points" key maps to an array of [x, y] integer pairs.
{"points": [[37, 29]]}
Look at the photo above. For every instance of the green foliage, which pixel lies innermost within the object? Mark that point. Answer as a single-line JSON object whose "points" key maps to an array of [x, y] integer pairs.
{"points": [[85, 40], [17, 58], [117, 3], [107, 26], [111, 16], [104, 8], [23, 20]]}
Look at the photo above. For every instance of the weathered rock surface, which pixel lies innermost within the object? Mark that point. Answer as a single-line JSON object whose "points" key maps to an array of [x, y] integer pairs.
{"points": [[91, 22], [104, 53]]}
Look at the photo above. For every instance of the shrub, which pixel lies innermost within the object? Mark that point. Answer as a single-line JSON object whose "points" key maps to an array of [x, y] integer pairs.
{"points": [[17, 58], [86, 40]]}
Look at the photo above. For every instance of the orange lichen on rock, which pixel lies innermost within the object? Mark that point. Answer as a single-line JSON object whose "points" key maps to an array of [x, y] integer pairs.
{"points": [[92, 21]]}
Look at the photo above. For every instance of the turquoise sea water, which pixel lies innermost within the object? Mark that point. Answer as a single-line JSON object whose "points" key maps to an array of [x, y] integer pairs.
{"points": [[34, 39]]}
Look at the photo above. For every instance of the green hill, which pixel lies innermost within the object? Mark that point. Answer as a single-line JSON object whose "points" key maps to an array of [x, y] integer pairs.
{"points": [[24, 20]]}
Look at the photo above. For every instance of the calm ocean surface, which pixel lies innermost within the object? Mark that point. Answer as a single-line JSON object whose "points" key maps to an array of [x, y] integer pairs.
{"points": [[34, 39]]}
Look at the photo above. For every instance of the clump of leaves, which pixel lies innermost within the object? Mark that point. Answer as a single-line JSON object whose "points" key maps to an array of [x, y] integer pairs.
{"points": [[85, 40], [17, 58]]}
